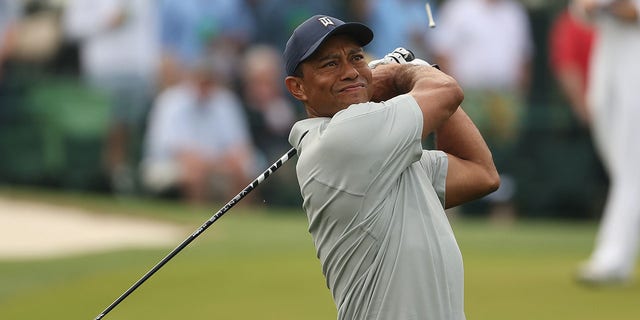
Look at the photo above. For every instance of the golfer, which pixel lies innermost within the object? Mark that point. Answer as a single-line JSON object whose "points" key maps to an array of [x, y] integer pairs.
{"points": [[374, 198]]}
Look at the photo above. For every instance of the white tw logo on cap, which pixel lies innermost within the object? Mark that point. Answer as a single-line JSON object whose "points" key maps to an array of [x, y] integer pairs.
{"points": [[326, 21]]}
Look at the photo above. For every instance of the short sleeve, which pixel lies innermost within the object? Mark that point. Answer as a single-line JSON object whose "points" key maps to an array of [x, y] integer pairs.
{"points": [[362, 144], [388, 130], [436, 164]]}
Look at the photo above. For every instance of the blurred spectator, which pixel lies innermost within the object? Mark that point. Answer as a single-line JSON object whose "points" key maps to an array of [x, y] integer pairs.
{"points": [[9, 14], [194, 29], [614, 101], [570, 45], [398, 23], [274, 20], [271, 114], [119, 55], [486, 46], [198, 140]]}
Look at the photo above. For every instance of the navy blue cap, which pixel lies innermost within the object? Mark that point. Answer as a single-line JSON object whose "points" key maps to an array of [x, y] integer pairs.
{"points": [[308, 36]]}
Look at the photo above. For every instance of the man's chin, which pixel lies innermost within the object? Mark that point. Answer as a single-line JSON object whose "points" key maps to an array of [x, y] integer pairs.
{"points": [[355, 99]]}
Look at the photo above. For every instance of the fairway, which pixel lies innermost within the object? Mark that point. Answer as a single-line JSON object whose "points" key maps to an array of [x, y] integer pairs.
{"points": [[260, 264]]}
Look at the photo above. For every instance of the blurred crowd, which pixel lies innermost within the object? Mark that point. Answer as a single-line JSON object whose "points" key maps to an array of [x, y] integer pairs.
{"points": [[197, 107], [194, 88]]}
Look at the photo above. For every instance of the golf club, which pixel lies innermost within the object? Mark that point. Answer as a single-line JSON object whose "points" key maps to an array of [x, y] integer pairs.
{"points": [[432, 23], [200, 230]]}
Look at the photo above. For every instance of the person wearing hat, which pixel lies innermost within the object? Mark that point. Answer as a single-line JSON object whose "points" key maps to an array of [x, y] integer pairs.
{"points": [[374, 199]]}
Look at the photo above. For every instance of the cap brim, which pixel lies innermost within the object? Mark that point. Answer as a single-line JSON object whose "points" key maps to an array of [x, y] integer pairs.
{"points": [[358, 31]]}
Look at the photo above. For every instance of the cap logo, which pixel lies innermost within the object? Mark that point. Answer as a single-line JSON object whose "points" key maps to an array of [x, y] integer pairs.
{"points": [[326, 21]]}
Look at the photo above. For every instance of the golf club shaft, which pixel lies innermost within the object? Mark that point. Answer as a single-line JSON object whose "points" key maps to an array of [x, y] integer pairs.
{"points": [[432, 23], [200, 230]]}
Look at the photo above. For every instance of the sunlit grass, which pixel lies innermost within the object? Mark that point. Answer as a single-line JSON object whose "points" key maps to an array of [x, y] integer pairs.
{"points": [[260, 264]]}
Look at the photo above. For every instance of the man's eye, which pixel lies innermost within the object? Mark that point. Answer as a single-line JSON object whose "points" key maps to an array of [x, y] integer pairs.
{"points": [[358, 57], [330, 64]]}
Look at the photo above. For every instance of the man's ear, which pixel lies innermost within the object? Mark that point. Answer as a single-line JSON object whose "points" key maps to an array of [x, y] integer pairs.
{"points": [[296, 87]]}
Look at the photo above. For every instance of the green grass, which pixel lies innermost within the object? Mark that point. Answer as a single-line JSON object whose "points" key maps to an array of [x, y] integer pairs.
{"points": [[258, 264], [526, 272]]}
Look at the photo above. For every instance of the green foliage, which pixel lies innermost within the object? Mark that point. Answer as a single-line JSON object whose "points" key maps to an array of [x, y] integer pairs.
{"points": [[54, 133]]}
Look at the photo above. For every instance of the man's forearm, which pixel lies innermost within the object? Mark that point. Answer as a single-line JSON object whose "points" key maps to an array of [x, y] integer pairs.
{"points": [[471, 172], [395, 79], [458, 136], [438, 95]]}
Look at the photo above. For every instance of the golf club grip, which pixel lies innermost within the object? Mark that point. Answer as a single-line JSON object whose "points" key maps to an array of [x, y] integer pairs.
{"points": [[200, 230]]}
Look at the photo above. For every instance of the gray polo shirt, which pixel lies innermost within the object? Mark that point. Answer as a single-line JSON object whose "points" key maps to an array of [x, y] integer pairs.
{"points": [[374, 201]]}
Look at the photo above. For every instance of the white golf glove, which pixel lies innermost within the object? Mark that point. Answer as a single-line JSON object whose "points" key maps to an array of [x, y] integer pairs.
{"points": [[419, 62], [399, 55]]}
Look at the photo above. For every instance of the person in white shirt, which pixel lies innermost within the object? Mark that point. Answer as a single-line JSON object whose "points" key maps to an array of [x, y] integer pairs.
{"points": [[613, 99], [486, 46], [198, 140], [119, 52]]}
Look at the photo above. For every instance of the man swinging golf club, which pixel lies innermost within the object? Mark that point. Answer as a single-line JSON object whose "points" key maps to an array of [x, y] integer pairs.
{"points": [[374, 198]]}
